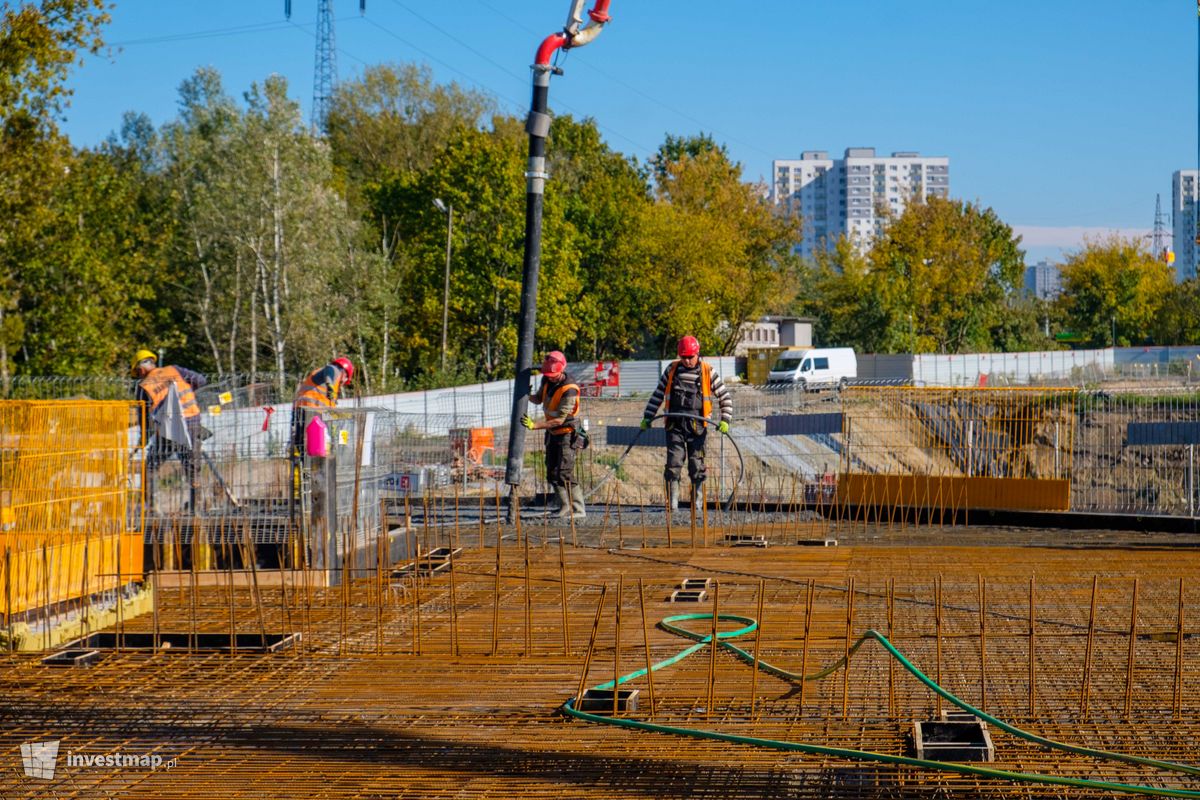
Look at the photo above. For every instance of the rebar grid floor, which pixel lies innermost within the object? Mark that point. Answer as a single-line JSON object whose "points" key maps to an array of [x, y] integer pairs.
{"points": [[375, 702]]}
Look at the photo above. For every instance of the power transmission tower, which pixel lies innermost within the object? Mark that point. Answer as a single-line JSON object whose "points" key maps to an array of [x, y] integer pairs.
{"points": [[325, 63], [1158, 242]]}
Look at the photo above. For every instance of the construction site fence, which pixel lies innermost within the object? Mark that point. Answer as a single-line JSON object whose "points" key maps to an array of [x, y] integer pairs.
{"points": [[456, 439], [1078, 438], [68, 525]]}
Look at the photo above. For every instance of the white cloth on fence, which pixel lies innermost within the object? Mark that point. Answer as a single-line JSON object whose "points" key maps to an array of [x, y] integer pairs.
{"points": [[172, 425]]}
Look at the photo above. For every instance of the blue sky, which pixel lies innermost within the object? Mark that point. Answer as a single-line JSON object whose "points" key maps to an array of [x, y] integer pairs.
{"points": [[1063, 115]]}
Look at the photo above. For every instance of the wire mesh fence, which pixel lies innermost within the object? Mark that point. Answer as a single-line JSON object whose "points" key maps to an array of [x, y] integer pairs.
{"points": [[454, 441]]}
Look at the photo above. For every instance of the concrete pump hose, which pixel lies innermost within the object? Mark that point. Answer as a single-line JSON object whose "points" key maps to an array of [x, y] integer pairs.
{"points": [[728, 504], [750, 625]]}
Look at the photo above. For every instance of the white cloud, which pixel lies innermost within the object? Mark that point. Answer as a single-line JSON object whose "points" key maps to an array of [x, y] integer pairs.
{"points": [[1070, 236]]}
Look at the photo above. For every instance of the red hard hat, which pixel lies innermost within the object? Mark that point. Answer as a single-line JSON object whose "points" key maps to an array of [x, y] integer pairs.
{"points": [[689, 346], [347, 366], [554, 363]]}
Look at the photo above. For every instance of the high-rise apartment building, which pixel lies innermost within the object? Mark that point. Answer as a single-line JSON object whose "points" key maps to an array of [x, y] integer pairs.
{"points": [[1184, 193], [848, 196], [1043, 280]]}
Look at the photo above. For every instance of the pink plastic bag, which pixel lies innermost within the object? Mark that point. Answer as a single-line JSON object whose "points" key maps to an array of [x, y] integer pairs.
{"points": [[314, 438]]}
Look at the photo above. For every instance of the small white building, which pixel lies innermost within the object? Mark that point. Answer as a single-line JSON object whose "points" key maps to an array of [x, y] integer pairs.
{"points": [[775, 331]]}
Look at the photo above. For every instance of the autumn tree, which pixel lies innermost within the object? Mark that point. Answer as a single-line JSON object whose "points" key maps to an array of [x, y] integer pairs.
{"points": [[712, 253], [1113, 291], [944, 271]]}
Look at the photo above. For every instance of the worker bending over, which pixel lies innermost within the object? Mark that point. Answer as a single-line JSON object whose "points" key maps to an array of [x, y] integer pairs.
{"points": [[177, 430], [558, 395], [688, 386], [319, 392]]}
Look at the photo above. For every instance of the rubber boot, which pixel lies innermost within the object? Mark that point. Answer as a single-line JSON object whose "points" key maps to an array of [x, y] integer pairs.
{"points": [[672, 496], [578, 507], [562, 503]]}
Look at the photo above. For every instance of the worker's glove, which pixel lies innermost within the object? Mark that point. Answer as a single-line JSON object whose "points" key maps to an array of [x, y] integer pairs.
{"points": [[723, 427], [527, 421], [645, 424]]}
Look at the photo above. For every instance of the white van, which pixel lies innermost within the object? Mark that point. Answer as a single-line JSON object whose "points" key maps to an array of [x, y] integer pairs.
{"points": [[814, 368]]}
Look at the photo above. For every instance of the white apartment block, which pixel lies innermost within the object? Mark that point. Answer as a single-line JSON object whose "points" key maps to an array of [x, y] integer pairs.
{"points": [[1184, 192], [836, 196]]}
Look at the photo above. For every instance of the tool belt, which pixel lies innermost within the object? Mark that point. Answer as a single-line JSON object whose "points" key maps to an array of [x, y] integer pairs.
{"points": [[580, 440], [579, 437]]}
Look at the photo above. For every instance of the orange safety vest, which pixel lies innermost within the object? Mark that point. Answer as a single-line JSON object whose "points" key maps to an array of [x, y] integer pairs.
{"points": [[552, 405], [158, 383], [705, 386], [314, 395]]}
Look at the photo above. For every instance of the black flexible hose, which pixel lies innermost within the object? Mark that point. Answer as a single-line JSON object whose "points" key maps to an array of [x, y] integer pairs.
{"points": [[728, 504]]}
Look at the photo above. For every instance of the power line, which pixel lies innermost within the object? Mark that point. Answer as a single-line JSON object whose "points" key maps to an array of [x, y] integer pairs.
{"points": [[514, 103], [515, 107], [304, 29], [257, 27], [639, 146], [633, 88], [461, 43]]}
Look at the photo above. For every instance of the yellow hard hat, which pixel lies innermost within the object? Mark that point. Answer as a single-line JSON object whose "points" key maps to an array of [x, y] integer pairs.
{"points": [[139, 357]]}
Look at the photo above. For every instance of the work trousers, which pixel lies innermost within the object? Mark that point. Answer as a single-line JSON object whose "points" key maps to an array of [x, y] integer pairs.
{"points": [[684, 442], [560, 459], [163, 450]]}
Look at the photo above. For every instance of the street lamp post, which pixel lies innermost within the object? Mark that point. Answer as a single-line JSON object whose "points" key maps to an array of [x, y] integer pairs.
{"points": [[448, 210]]}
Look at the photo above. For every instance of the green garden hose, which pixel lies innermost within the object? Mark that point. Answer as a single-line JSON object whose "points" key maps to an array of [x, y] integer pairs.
{"points": [[749, 626]]}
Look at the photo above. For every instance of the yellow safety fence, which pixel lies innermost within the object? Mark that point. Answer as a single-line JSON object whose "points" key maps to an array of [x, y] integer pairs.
{"points": [[950, 449], [67, 501]]}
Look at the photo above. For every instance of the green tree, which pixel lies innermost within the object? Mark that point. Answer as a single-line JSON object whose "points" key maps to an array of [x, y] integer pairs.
{"points": [[603, 196], [481, 174], [675, 149], [840, 292], [1113, 291], [268, 245], [396, 120], [39, 42], [945, 272], [211, 294], [1025, 326], [94, 280], [1178, 322]]}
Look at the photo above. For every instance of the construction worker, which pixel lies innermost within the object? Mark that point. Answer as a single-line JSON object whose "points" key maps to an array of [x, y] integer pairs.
{"points": [[177, 430], [319, 392], [558, 394], [688, 386], [314, 482]]}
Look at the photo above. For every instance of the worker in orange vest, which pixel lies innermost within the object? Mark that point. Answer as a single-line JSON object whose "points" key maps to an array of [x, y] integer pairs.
{"points": [[558, 394], [688, 386], [319, 392], [171, 439]]}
